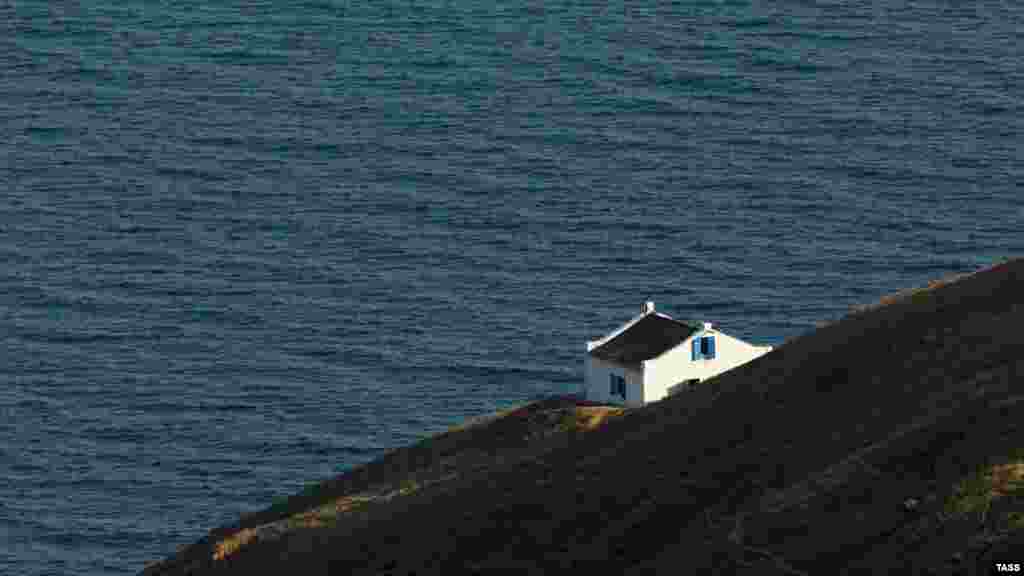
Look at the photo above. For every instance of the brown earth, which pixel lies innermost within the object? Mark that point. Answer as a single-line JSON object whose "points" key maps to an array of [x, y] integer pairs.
{"points": [[887, 442]]}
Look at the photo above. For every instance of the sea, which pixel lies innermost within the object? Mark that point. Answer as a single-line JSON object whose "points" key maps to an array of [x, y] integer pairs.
{"points": [[246, 246]]}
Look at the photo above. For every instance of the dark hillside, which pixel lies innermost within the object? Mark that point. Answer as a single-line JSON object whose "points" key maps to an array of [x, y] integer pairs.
{"points": [[886, 441]]}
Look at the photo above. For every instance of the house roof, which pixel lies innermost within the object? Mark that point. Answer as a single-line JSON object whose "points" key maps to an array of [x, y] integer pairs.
{"points": [[642, 338]]}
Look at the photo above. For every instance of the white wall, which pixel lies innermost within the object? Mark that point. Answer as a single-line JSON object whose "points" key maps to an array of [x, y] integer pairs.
{"points": [[675, 365], [596, 382]]}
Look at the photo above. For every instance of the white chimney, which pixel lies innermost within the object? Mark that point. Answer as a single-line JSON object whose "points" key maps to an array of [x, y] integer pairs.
{"points": [[648, 307]]}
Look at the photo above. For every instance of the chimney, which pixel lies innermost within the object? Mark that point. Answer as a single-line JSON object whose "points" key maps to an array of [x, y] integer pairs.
{"points": [[648, 307]]}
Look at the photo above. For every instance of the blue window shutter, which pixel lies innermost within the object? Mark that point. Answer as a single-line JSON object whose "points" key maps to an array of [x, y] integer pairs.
{"points": [[696, 348], [711, 346]]}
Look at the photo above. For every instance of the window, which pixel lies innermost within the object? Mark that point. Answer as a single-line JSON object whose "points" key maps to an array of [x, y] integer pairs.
{"points": [[707, 346], [616, 385], [703, 348]]}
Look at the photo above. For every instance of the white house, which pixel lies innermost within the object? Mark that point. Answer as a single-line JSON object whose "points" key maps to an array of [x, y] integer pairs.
{"points": [[654, 355]]}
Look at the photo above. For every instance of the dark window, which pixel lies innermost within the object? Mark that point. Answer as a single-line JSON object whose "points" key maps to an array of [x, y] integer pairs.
{"points": [[616, 385], [707, 347], [703, 348]]}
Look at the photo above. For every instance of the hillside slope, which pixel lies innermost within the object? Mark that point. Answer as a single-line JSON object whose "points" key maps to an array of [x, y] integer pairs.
{"points": [[492, 441], [889, 440]]}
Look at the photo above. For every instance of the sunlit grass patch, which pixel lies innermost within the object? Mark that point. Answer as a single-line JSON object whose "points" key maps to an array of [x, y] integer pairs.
{"points": [[408, 486], [326, 515], [323, 516], [234, 543], [977, 494], [586, 418], [1015, 520]]}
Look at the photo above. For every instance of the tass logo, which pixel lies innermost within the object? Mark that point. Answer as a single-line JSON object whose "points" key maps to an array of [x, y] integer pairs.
{"points": [[1007, 567]]}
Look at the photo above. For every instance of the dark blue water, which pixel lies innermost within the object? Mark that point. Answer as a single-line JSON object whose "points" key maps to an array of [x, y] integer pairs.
{"points": [[247, 245]]}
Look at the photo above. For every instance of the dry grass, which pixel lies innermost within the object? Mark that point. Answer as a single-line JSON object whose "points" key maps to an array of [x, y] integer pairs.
{"points": [[584, 419], [979, 494], [323, 516]]}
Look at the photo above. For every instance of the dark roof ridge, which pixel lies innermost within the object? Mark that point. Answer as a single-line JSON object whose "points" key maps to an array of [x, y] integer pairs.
{"points": [[644, 336]]}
